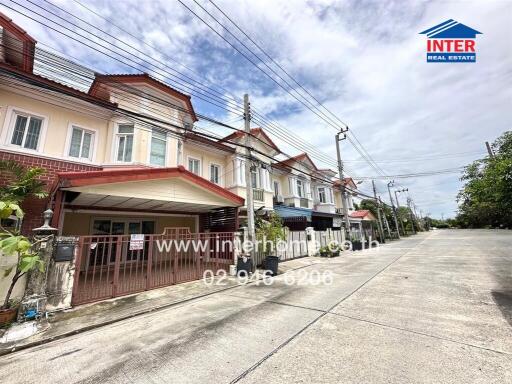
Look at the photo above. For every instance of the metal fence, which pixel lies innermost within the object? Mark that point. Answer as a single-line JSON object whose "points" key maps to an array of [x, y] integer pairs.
{"points": [[110, 266]]}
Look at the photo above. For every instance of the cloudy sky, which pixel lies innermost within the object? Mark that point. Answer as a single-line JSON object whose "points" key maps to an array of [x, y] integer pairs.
{"points": [[364, 60]]}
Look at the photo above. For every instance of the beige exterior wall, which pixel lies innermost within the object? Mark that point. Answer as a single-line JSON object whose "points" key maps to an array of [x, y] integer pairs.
{"points": [[57, 120], [6, 262], [208, 156], [59, 114]]}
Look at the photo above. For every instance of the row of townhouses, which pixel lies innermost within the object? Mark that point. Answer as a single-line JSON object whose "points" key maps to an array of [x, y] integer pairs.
{"points": [[109, 173], [125, 165]]}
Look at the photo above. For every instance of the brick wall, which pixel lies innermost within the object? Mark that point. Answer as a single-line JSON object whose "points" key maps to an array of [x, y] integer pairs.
{"points": [[33, 207]]}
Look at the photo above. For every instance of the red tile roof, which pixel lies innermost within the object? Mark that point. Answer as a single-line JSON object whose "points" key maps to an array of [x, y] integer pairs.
{"points": [[361, 214]]}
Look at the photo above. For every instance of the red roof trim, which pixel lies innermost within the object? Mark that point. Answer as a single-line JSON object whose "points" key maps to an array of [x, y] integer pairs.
{"points": [[7, 23], [298, 159], [195, 137], [57, 86], [360, 214], [79, 179], [254, 131], [145, 78]]}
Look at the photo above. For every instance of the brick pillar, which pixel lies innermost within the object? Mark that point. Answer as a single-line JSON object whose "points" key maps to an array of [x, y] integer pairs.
{"points": [[35, 292]]}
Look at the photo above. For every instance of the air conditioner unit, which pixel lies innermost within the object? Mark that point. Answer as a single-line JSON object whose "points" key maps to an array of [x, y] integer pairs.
{"points": [[279, 199]]}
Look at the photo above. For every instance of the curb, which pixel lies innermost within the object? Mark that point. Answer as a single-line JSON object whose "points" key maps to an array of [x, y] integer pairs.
{"points": [[9, 350]]}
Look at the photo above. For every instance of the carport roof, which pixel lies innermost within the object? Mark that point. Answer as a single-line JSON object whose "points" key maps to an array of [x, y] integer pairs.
{"points": [[143, 187]]}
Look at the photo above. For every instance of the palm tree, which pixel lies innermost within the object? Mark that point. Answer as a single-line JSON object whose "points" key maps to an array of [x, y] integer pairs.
{"points": [[20, 182]]}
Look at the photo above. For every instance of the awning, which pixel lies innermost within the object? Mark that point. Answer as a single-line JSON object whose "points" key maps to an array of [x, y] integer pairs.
{"points": [[154, 189], [285, 211]]}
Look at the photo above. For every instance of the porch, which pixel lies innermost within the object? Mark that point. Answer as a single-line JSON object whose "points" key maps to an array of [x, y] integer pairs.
{"points": [[140, 229]]}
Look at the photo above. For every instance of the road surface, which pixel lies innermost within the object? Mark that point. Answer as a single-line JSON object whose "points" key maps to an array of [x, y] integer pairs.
{"points": [[433, 308]]}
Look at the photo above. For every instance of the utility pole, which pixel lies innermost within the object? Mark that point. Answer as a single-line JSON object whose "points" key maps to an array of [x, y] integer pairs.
{"points": [[489, 150], [385, 218], [381, 231], [394, 208], [338, 138], [411, 214], [398, 207], [248, 184]]}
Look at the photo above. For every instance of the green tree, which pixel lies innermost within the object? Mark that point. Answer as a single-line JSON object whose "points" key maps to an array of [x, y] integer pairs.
{"points": [[20, 182], [269, 232], [486, 197]]}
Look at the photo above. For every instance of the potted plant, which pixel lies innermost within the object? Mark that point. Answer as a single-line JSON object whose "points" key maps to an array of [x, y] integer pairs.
{"points": [[18, 183], [268, 233], [14, 244], [357, 245], [325, 251], [336, 249]]}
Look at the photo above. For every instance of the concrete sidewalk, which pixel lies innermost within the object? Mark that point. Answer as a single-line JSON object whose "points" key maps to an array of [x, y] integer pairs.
{"points": [[90, 316]]}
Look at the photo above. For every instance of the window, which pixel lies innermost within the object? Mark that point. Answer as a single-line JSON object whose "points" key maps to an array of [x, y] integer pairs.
{"points": [[26, 132], [300, 188], [124, 143], [215, 173], [158, 147], [194, 166], [276, 189], [255, 177], [321, 195], [81, 143]]}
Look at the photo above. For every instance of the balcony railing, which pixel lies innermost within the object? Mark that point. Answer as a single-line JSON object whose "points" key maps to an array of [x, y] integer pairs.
{"points": [[304, 203], [258, 194]]}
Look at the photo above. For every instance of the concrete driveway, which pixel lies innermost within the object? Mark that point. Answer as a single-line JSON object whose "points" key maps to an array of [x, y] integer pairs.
{"points": [[434, 308]]}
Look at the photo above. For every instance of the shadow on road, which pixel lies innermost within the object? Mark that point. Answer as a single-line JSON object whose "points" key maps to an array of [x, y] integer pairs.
{"points": [[504, 301]]}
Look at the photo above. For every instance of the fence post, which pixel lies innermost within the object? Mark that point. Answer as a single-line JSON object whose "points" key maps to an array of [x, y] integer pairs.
{"points": [[35, 297], [311, 241]]}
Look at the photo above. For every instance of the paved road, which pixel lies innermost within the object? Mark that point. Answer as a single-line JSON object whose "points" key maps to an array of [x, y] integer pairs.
{"points": [[434, 308]]}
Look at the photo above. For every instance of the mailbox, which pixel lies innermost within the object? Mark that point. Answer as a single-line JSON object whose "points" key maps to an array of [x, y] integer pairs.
{"points": [[65, 249]]}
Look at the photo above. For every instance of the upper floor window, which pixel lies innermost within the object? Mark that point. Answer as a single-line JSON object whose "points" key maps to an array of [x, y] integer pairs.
{"points": [[300, 188], [322, 196], [215, 173], [158, 147], [277, 189], [194, 165], [81, 143], [255, 177], [27, 131], [124, 142]]}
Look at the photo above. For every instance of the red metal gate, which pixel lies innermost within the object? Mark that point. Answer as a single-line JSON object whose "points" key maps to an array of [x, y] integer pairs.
{"points": [[110, 266]]}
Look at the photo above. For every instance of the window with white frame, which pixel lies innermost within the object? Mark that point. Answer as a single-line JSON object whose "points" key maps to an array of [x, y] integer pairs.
{"points": [[300, 188], [215, 173], [158, 147], [277, 189], [81, 143], [322, 196], [124, 143], [255, 177], [26, 131], [194, 165]]}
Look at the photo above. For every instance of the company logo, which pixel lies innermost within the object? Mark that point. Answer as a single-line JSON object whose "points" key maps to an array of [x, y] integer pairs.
{"points": [[451, 42]]}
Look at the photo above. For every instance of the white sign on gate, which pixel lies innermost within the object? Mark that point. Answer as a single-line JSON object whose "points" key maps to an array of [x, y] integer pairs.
{"points": [[136, 242]]}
